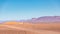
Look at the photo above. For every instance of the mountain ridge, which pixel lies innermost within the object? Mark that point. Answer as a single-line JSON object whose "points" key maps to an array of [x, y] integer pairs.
{"points": [[44, 19]]}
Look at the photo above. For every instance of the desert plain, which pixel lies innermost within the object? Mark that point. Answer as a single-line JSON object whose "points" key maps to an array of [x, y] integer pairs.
{"points": [[29, 28]]}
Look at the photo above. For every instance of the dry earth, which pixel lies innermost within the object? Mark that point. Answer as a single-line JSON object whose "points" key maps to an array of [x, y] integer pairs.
{"points": [[27, 28]]}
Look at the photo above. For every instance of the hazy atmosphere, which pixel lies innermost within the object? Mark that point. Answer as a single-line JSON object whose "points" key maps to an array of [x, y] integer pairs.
{"points": [[29, 16], [27, 9]]}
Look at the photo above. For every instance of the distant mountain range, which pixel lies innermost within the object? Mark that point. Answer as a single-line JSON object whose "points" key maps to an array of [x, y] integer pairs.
{"points": [[44, 19]]}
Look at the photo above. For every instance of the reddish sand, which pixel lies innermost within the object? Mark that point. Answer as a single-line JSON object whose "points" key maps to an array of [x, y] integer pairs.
{"points": [[28, 28]]}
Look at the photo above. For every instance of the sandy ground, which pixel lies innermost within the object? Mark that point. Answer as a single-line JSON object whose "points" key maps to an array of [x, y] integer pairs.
{"points": [[9, 29]]}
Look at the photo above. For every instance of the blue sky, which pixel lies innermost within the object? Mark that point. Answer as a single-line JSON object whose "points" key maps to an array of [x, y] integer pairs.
{"points": [[27, 9]]}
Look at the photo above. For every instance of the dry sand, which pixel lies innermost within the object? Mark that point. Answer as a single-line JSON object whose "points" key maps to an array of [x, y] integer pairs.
{"points": [[28, 28]]}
